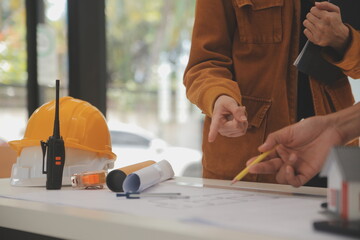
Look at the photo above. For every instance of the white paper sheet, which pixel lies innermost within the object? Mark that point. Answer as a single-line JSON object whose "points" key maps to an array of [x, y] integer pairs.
{"points": [[282, 215], [148, 176]]}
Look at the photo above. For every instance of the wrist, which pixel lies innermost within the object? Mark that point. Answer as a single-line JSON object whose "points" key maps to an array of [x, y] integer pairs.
{"points": [[342, 41], [347, 123]]}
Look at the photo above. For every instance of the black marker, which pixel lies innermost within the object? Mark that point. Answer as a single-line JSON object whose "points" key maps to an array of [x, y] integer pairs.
{"points": [[54, 149]]}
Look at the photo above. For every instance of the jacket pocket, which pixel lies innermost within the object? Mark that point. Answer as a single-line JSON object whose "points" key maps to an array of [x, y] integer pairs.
{"points": [[259, 21], [256, 109]]}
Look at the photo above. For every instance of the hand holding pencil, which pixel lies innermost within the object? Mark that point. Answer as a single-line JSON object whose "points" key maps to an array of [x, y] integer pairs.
{"points": [[246, 170], [303, 147]]}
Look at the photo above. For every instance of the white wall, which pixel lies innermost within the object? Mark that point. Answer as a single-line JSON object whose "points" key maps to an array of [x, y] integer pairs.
{"points": [[355, 85]]}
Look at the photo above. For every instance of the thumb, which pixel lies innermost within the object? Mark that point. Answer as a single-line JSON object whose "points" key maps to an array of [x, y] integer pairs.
{"points": [[240, 114], [232, 107]]}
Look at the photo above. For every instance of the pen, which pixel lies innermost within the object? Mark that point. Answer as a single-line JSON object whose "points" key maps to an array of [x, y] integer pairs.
{"points": [[136, 195], [246, 170]]}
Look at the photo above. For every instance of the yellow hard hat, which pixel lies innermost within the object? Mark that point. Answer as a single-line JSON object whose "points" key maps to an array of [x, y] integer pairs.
{"points": [[82, 126]]}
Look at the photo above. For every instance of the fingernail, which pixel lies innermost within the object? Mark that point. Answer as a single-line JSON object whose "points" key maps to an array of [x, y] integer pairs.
{"points": [[288, 170]]}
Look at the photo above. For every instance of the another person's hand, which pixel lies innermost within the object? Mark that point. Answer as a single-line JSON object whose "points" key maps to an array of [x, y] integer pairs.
{"points": [[324, 27], [301, 152], [228, 119]]}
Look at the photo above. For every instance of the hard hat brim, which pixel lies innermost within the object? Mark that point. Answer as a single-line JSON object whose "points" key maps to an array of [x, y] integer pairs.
{"points": [[18, 146]]}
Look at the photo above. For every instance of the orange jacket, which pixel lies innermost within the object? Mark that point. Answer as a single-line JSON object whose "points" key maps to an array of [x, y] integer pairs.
{"points": [[245, 49]]}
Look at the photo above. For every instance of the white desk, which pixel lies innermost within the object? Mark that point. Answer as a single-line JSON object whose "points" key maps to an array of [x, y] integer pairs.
{"points": [[19, 210]]}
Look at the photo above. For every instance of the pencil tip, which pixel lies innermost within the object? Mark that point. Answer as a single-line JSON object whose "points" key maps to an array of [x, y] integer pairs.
{"points": [[233, 181]]}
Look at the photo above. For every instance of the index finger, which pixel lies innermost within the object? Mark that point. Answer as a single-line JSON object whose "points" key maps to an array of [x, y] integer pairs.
{"points": [[280, 137], [268, 167], [327, 6], [214, 128], [271, 141], [317, 12], [270, 156]]}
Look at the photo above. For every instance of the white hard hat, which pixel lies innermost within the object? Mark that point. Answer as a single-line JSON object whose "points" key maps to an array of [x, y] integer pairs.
{"points": [[27, 171]]}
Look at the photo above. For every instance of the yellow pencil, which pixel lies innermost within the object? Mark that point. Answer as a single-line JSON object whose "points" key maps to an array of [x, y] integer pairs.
{"points": [[246, 170]]}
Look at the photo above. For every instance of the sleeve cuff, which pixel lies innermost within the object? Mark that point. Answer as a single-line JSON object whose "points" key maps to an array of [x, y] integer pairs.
{"points": [[211, 95], [351, 54]]}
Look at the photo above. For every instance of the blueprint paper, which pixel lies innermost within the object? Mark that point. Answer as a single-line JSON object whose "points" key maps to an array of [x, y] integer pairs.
{"points": [[148, 176], [282, 215]]}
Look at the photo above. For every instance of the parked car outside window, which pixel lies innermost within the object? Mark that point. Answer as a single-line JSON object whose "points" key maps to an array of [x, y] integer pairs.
{"points": [[133, 144]]}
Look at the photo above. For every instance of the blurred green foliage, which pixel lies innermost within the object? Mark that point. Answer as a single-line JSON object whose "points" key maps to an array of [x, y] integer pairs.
{"points": [[12, 42], [140, 35], [143, 34]]}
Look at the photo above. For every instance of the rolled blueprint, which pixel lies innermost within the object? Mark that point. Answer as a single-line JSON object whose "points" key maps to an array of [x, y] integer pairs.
{"points": [[115, 178], [148, 176]]}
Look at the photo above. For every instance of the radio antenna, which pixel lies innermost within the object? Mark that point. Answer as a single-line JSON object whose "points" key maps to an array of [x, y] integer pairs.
{"points": [[56, 133]]}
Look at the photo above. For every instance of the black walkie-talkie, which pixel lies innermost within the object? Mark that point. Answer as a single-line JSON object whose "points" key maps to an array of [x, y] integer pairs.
{"points": [[54, 149]]}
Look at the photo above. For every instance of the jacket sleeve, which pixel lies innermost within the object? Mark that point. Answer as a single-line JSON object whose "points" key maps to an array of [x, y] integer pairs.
{"points": [[350, 63], [209, 71]]}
